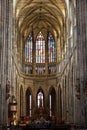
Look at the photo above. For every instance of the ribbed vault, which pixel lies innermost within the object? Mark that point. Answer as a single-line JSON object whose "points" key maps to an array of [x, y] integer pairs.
{"points": [[40, 15]]}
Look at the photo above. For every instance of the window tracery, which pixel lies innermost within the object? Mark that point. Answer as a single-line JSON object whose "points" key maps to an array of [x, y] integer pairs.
{"points": [[28, 49], [51, 49], [42, 52]]}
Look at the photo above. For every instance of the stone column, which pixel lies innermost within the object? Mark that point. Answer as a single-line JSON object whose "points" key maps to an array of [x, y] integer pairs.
{"points": [[4, 55], [63, 98], [81, 9], [57, 100]]}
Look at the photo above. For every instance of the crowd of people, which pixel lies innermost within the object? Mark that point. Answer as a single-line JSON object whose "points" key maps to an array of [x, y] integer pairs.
{"points": [[40, 122]]}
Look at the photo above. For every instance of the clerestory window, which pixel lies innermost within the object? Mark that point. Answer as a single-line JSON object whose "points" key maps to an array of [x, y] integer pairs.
{"points": [[51, 49], [41, 52], [28, 49], [40, 49]]}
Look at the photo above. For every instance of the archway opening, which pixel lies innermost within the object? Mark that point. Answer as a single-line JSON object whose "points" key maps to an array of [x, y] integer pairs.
{"points": [[52, 102], [40, 99], [28, 103]]}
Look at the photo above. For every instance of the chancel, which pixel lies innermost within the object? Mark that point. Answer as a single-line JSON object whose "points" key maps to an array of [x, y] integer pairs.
{"points": [[43, 63]]}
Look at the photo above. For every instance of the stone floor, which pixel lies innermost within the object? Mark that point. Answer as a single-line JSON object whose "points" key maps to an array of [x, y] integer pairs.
{"points": [[42, 129], [61, 127], [37, 128]]}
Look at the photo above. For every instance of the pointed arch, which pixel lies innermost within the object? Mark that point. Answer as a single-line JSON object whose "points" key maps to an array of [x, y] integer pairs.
{"points": [[28, 102], [52, 101], [40, 98]]}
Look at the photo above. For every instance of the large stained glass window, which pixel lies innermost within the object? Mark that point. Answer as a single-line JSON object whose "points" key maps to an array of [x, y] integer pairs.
{"points": [[40, 49], [51, 49], [28, 49]]}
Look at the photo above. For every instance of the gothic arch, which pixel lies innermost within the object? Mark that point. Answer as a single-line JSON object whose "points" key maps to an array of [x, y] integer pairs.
{"points": [[28, 100], [40, 91], [52, 101]]}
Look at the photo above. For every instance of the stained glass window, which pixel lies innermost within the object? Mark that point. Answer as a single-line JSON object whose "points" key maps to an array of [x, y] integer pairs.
{"points": [[51, 49], [28, 49], [28, 69], [40, 49], [52, 69], [40, 69]]}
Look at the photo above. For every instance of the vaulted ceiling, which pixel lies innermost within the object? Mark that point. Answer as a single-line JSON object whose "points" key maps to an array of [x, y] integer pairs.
{"points": [[40, 15]]}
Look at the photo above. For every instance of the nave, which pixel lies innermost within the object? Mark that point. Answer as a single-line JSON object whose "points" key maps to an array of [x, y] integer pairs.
{"points": [[43, 62]]}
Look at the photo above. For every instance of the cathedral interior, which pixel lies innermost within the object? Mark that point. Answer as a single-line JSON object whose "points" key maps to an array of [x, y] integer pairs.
{"points": [[43, 60]]}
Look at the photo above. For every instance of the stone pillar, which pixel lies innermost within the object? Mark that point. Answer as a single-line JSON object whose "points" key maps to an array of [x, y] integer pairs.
{"points": [[57, 100], [81, 9], [4, 36], [22, 55], [67, 98], [70, 96], [5, 56], [63, 98]]}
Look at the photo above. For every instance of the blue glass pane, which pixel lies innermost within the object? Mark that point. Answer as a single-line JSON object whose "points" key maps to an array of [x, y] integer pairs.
{"points": [[51, 49]]}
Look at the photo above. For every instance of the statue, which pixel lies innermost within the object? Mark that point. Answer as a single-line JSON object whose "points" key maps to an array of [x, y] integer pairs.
{"points": [[40, 106]]}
